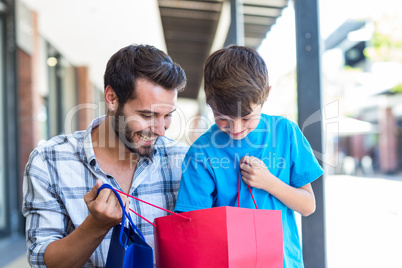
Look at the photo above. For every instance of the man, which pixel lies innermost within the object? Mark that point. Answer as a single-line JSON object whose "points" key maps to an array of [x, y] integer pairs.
{"points": [[67, 224]]}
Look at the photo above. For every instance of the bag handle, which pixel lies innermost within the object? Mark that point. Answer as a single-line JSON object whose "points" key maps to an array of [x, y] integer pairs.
{"points": [[125, 214], [136, 198], [249, 188]]}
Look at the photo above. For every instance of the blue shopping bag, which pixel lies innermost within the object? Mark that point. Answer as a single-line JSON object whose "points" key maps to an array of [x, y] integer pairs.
{"points": [[127, 248]]}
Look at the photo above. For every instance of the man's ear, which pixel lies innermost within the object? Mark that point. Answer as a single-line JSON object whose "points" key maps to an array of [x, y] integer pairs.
{"points": [[112, 101]]}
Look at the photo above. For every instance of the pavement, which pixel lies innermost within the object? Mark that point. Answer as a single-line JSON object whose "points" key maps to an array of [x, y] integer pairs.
{"points": [[12, 252], [363, 224], [364, 221]]}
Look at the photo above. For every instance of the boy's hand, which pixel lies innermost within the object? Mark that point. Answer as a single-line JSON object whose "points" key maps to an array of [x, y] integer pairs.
{"points": [[255, 173]]}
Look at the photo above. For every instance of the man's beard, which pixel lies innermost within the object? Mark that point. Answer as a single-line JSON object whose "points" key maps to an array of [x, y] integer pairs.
{"points": [[124, 132]]}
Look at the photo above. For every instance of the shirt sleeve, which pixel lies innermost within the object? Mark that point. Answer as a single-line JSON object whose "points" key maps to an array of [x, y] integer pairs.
{"points": [[45, 220], [197, 187], [304, 165]]}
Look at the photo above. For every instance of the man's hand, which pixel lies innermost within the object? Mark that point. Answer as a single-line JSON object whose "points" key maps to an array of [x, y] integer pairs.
{"points": [[105, 210], [104, 213]]}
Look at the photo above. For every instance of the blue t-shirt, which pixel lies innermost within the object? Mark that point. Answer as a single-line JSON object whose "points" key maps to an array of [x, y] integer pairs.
{"points": [[211, 172]]}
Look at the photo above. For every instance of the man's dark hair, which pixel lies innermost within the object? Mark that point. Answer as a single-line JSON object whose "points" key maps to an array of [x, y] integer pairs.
{"points": [[235, 77], [142, 61]]}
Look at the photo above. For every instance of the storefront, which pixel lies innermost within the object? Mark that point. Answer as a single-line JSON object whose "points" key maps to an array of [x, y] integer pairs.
{"points": [[61, 94], [38, 89], [57, 91]]}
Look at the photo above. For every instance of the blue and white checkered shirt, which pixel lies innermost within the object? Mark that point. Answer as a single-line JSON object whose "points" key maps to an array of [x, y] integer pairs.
{"points": [[61, 171]]}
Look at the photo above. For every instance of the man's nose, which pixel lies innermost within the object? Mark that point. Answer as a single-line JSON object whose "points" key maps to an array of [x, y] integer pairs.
{"points": [[159, 126]]}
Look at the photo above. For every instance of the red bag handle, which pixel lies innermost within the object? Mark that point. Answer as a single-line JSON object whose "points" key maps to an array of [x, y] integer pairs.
{"points": [[136, 198], [249, 188]]}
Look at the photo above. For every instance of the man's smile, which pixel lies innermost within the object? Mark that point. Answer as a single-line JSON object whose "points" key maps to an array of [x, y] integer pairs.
{"points": [[146, 138]]}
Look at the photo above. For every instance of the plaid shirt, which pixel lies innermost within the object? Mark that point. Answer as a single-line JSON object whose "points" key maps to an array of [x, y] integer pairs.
{"points": [[61, 171]]}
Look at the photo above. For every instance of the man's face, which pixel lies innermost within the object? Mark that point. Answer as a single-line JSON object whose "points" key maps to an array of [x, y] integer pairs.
{"points": [[239, 127], [141, 121]]}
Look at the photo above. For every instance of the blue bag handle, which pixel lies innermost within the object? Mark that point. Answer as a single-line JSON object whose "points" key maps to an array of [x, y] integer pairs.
{"points": [[125, 214]]}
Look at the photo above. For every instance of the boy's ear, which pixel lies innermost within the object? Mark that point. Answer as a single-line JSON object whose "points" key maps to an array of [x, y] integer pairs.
{"points": [[112, 101], [269, 91]]}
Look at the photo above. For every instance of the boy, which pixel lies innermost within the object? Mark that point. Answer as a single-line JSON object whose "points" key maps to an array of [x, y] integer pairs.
{"points": [[274, 157]]}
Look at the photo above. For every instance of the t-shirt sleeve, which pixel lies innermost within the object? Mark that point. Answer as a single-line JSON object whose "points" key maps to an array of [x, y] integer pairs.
{"points": [[304, 165], [197, 185]]}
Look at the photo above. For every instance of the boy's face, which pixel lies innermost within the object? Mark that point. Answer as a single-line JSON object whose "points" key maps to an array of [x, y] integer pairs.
{"points": [[239, 127]]}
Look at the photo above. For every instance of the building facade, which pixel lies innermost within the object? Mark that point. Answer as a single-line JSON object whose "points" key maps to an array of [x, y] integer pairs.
{"points": [[40, 92]]}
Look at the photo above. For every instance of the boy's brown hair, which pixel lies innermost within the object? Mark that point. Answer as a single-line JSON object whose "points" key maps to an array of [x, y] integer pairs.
{"points": [[235, 77]]}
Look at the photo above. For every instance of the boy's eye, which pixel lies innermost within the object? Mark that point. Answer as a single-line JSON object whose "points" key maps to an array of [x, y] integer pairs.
{"points": [[220, 117]]}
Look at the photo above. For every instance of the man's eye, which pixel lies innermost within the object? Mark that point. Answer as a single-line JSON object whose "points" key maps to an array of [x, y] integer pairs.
{"points": [[147, 116]]}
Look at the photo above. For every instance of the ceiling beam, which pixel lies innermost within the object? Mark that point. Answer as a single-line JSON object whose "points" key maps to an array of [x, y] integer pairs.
{"points": [[191, 5], [189, 14]]}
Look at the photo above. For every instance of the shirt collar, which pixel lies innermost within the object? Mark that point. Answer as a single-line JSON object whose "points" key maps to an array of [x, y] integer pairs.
{"points": [[87, 141]]}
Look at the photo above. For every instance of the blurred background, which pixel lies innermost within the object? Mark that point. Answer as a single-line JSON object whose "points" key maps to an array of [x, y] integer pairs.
{"points": [[335, 68]]}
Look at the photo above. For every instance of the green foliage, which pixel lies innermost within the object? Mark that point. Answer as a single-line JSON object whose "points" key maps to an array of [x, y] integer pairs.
{"points": [[397, 89], [352, 69], [386, 44]]}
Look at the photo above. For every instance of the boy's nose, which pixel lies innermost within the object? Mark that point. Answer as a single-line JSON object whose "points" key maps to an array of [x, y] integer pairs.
{"points": [[237, 126]]}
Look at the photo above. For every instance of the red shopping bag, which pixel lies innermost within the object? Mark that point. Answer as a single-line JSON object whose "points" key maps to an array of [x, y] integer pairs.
{"points": [[220, 237]]}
